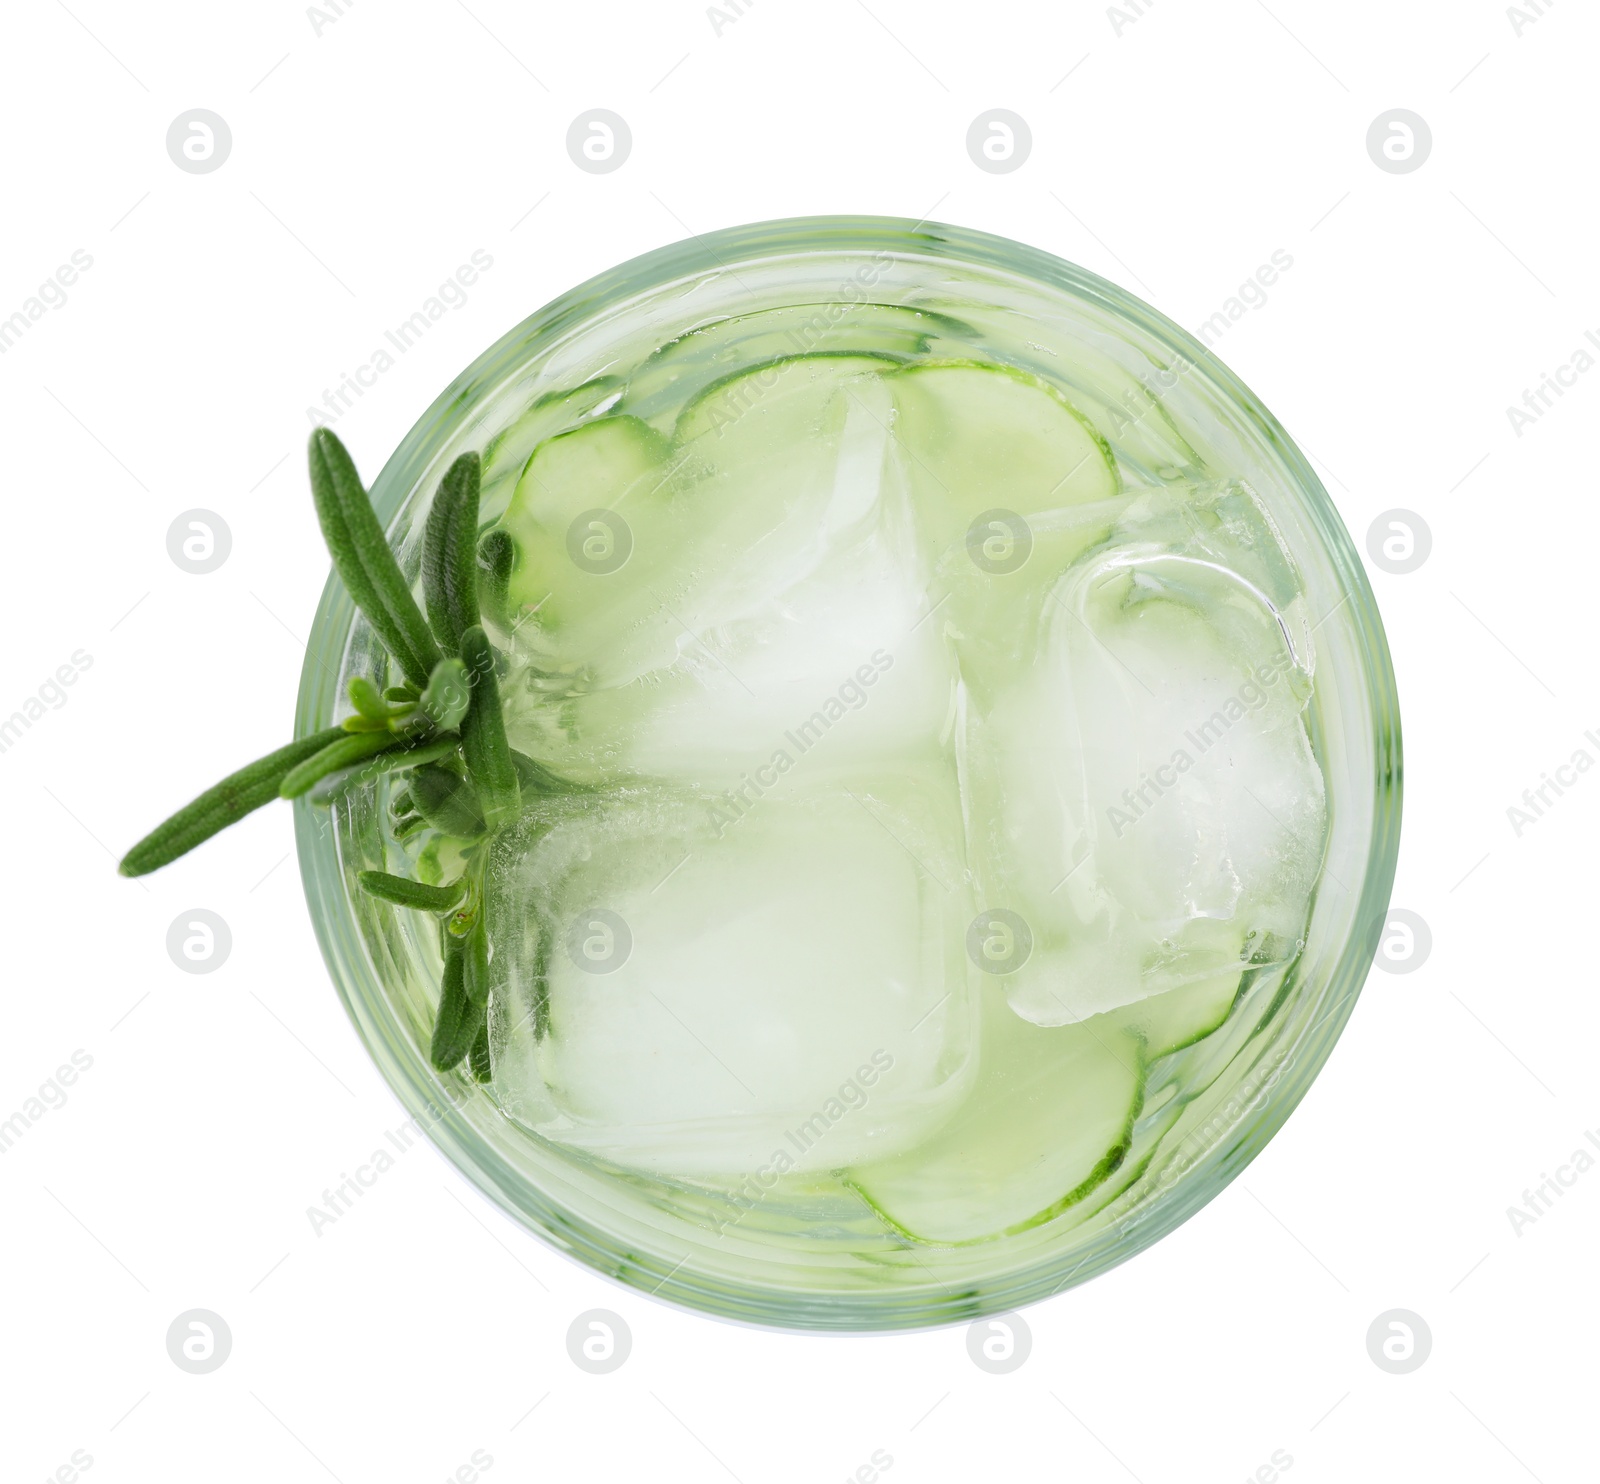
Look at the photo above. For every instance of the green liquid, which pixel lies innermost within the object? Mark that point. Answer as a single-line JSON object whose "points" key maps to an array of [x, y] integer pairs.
{"points": [[941, 814]]}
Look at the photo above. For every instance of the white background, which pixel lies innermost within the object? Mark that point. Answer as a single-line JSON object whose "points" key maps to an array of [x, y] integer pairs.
{"points": [[368, 161]]}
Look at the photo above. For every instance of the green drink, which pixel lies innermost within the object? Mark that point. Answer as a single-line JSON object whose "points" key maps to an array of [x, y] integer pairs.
{"points": [[953, 773]]}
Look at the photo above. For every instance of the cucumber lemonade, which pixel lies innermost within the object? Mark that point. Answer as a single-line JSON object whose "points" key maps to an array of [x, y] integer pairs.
{"points": [[855, 758], [936, 769]]}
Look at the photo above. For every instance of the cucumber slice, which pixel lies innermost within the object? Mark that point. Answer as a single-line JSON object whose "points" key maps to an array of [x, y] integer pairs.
{"points": [[1176, 1018], [598, 464], [615, 464], [757, 412], [1049, 1120], [1128, 408], [741, 505], [506, 454], [986, 437], [1194, 975], [683, 367]]}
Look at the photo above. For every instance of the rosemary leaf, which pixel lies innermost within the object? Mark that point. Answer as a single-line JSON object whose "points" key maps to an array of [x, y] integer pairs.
{"points": [[351, 747], [448, 695], [456, 1026], [449, 557], [533, 778], [404, 892], [223, 803], [329, 788], [477, 953], [483, 735], [356, 724], [365, 698], [478, 1057], [446, 800], [361, 554], [495, 554]]}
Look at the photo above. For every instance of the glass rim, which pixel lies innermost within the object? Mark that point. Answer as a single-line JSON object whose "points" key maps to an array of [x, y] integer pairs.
{"points": [[427, 1097]]}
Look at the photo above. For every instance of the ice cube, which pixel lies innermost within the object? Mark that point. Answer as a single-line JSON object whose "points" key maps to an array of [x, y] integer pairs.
{"points": [[1146, 796], [813, 635], [783, 990]]}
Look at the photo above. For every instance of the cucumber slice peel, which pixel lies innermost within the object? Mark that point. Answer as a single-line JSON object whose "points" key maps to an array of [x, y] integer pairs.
{"points": [[507, 453], [1050, 1119], [982, 437], [682, 367]]}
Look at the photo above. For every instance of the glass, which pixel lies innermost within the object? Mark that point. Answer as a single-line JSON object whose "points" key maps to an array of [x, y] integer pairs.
{"points": [[1119, 360]]}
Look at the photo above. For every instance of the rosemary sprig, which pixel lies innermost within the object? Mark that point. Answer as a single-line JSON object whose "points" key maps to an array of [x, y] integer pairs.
{"points": [[449, 555], [483, 735], [223, 804], [404, 892], [495, 557], [364, 562], [446, 800], [478, 1058], [477, 946], [456, 1026], [442, 723], [351, 747], [365, 698], [329, 788]]}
